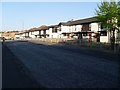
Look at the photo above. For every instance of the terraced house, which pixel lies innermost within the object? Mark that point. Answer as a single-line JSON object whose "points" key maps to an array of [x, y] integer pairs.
{"points": [[88, 29]]}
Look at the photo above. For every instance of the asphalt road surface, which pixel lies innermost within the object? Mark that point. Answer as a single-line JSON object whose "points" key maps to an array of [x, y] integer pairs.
{"points": [[63, 67], [0, 65], [13, 74]]}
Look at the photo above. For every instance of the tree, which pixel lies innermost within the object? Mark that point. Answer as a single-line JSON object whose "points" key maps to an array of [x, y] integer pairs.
{"points": [[119, 14], [108, 15]]}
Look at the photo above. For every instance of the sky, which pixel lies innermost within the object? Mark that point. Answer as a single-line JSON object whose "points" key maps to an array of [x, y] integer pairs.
{"points": [[25, 15]]}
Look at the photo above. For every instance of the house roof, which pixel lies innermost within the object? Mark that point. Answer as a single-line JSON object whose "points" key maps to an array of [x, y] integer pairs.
{"points": [[32, 29], [57, 25], [43, 27], [68, 23], [53, 26], [62, 23], [82, 21], [21, 33], [76, 22]]}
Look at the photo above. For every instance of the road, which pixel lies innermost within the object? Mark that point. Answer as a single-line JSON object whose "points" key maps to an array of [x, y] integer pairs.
{"points": [[61, 67], [13, 73], [0, 65]]}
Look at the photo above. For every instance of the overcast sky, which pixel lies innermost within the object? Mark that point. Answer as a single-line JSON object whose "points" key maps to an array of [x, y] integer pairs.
{"points": [[26, 15]]}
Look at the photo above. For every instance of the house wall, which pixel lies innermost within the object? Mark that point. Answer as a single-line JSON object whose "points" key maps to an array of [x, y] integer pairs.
{"points": [[78, 28], [69, 29], [31, 34], [50, 32], [58, 34], [85, 27], [105, 39], [41, 32], [64, 29], [26, 34], [73, 28], [94, 27], [116, 34], [35, 33], [17, 36], [55, 35], [47, 31], [22, 35]]}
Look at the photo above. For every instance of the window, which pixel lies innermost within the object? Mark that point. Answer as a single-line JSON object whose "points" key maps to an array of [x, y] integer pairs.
{"points": [[59, 28], [101, 27], [69, 28], [39, 32], [85, 34], [103, 33], [82, 29], [89, 27], [44, 32], [75, 28], [85, 27], [64, 34], [54, 30]]}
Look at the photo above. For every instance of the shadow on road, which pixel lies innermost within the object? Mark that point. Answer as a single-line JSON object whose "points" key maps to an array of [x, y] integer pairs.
{"points": [[98, 65], [13, 73]]}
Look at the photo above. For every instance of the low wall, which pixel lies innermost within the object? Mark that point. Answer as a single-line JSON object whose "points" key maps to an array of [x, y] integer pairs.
{"points": [[49, 40], [66, 41]]}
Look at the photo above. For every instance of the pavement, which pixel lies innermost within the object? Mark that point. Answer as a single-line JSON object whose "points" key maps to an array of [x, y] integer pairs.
{"points": [[85, 50], [13, 73], [55, 66]]}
